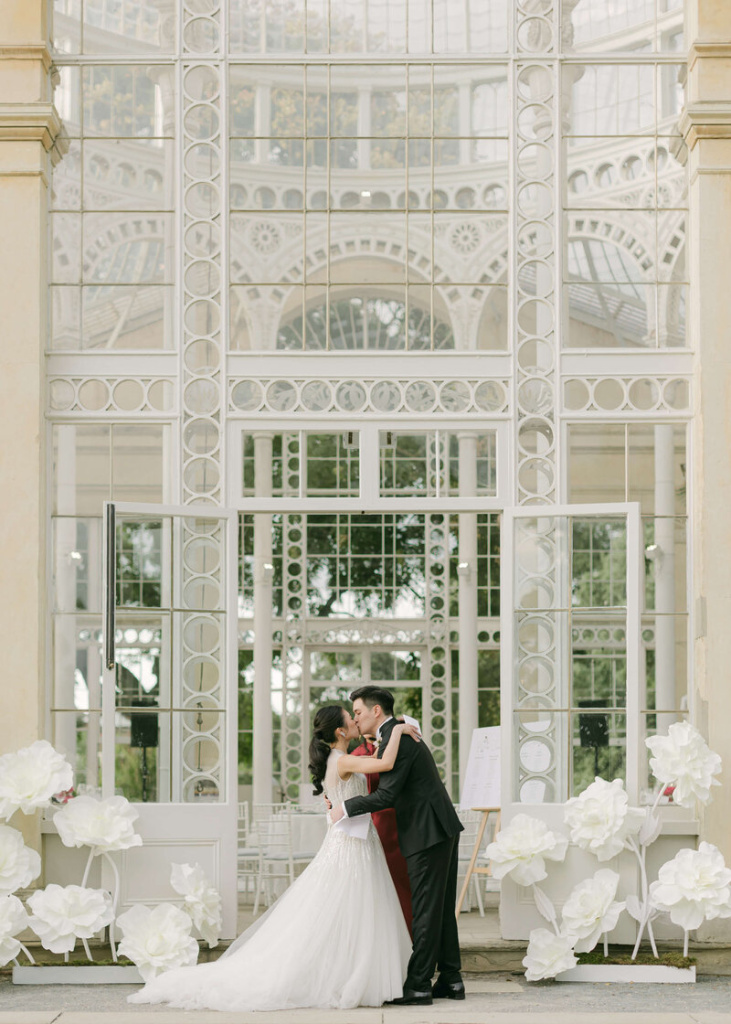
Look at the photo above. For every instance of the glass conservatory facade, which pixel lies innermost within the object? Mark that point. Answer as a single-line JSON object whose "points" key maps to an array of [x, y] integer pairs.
{"points": [[372, 322]]}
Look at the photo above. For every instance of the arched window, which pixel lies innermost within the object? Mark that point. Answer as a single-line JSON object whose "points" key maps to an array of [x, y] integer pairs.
{"points": [[358, 322]]}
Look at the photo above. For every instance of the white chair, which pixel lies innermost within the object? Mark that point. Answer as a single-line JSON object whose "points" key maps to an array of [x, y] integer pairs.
{"points": [[278, 860], [262, 811], [248, 856]]}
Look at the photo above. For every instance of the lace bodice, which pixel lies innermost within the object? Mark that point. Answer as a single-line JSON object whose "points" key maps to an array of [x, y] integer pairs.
{"points": [[336, 789]]}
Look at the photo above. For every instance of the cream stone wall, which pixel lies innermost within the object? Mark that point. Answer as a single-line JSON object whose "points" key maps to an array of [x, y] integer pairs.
{"points": [[707, 127], [28, 129]]}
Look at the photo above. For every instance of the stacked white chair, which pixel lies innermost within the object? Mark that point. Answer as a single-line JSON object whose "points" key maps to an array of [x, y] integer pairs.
{"points": [[248, 854], [278, 860]]}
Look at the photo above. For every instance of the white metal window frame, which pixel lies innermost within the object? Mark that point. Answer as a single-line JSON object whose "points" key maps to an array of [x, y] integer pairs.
{"points": [[630, 511], [369, 499]]}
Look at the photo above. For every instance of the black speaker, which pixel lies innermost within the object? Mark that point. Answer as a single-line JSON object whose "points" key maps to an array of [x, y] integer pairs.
{"points": [[143, 725], [593, 729]]}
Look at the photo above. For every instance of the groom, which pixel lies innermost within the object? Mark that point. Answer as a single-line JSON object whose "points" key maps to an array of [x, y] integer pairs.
{"points": [[428, 833]]}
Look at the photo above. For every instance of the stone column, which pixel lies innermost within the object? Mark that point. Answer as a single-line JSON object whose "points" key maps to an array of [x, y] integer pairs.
{"points": [[29, 126], [706, 125]]}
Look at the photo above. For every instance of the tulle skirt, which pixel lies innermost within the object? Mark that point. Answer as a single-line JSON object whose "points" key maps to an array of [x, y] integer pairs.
{"points": [[335, 938]]}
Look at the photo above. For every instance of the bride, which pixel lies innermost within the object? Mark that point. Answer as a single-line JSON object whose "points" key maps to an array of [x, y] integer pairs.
{"points": [[337, 936]]}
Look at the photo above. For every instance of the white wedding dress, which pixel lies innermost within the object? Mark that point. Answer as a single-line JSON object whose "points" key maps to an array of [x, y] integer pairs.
{"points": [[335, 938]]}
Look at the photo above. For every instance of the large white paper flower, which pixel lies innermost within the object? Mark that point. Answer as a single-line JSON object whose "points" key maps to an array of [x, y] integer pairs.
{"points": [[104, 825], [157, 939], [13, 919], [693, 887], [201, 900], [684, 760], [19, 865], [548, 954], [522, 848], [591, 910], [31, 776], [61, 914], [601, 819]]}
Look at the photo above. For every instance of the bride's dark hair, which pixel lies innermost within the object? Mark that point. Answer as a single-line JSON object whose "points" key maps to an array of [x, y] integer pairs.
{"points": [[327, 720]]}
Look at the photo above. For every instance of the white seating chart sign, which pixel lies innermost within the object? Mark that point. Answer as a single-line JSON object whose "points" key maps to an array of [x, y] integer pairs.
{"points": [[482, 779]]}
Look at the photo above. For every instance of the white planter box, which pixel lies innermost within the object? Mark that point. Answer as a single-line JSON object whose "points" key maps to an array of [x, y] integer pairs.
{"points": [[653, 974], [52, 974]]}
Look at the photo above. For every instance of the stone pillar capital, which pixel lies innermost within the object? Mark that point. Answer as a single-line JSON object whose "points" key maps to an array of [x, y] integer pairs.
{"points": [[36, 121], [706, 119]]}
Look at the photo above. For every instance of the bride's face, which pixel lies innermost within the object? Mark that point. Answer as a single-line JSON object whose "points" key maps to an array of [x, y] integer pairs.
{"points": [[350, 727]]}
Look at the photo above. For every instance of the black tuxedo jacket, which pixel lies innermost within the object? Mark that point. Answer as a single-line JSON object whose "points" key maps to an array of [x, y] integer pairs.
{"points": [[425, 815]]}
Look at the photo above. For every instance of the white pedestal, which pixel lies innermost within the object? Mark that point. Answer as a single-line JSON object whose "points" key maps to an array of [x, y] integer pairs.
{"points": [[54, 974]]}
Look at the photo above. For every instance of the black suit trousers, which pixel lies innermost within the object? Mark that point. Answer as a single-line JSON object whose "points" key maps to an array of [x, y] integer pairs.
{"points": [[433, 879]]}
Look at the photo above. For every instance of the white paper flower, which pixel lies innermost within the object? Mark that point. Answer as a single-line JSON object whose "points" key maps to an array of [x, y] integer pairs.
{"points": [[201, 900], [31, 776], [61, 914], [157, 939], [601, 819], [104, 825], [13, 919], [521, 849], [548, 954], [684, 760], [19, 865], [590, 909], [693, 887]]}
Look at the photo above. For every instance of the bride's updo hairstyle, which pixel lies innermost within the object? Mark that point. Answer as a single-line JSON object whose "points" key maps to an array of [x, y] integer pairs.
{"points": [[327, 720]]}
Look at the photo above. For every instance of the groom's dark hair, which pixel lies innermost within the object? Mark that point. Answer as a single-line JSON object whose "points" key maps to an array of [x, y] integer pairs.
{"points": [[372, 695]]}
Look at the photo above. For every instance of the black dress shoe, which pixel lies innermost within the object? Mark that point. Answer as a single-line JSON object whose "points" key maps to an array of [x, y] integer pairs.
{"points": [[448, 990], [411, 998]]}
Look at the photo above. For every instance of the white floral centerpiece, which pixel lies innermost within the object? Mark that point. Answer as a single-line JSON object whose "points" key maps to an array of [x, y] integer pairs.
{"points": [[155, 939], [30, 777], [201, 901], [693, 887]]}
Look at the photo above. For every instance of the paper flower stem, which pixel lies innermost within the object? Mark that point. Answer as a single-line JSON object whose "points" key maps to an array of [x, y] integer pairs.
{"points": [[641, 854], [66, 958], [686, 934], [606, 944], [87, 950], [115, 897], [87, 869], [27, 953]]}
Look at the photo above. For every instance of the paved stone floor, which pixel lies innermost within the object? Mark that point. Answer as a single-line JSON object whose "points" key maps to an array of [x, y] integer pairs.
{"points": [[491, 1000]]}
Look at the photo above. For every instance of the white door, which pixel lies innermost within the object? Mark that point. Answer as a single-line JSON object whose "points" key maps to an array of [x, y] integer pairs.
{"points": [[169, 699], [570, 675]]}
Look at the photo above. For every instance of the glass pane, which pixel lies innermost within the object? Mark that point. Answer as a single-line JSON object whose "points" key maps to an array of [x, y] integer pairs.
{"points": [[124, 248], [122, 317], [333, 464], [77, 564], [139, 564], [81, 469], [122, 28], [77, 662], [611, 99], [77, 735], [598, 563], [140, 465], [127, 174], [599, 747], [595, 25], [127, 100]]}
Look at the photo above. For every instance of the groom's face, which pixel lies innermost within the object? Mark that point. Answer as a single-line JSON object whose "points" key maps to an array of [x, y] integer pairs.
{"points": [[365, 718]]}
